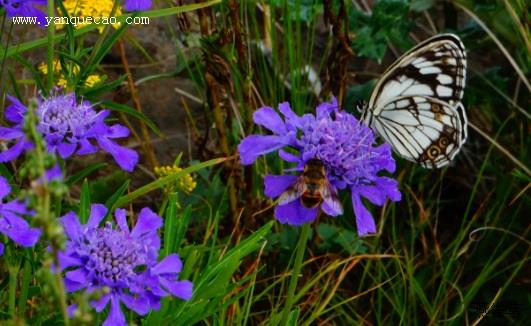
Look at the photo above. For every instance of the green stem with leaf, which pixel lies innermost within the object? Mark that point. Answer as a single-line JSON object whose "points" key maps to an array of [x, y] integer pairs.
{"points": [[299, 255]]}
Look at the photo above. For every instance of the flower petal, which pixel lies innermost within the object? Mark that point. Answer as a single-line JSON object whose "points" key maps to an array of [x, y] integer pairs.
{"points": [[66, 261], [288, 157], [294, 213], [116, 316], [180, 289], [71, 225], [275, 185], [7, 133], [139, 304], [137, 5], [18, 230], [125, 157], [268, 118], [117, 131], [5, 188], [14, 151], [77, 275], [147, 222], [364, 221], [255, 145], [16, 111], [66, 150], [170, 264], [101, 303], [85, 147], [293, 121], [121, 219], [97, 213]]}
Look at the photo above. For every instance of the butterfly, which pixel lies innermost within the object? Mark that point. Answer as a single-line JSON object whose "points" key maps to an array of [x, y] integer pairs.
{"points": [[416, 104]]}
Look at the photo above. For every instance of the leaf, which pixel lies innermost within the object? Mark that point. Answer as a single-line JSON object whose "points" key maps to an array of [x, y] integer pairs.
{"points": [[132, 112], [85, 173], [160, 183], [84, 204]]}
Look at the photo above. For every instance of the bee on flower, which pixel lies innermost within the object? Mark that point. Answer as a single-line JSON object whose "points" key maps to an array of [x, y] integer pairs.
{"points": [[338, 150]]}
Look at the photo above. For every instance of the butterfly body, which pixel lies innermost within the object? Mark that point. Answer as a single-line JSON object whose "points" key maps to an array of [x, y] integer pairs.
{"points": [[416, 104]]}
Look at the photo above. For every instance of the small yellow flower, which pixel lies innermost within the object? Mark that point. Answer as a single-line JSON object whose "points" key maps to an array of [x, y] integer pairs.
{"points": [[186, 183], [91, 80], [90, 8]]}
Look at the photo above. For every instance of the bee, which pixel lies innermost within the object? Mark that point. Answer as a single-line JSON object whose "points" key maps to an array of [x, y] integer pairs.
{"points": [[313, 188]]}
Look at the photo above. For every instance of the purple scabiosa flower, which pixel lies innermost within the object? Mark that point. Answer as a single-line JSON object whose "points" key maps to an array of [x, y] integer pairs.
{"points": [[344, 145], [12, 224], [68, 128], [137, 5], [25, 8], [122, 260]]}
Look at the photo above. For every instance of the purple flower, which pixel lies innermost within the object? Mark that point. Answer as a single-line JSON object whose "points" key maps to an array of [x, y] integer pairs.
{"points": [[68, 128], [12, 224], [25, 8], [122, 260], [137, 5], [344, 145]]}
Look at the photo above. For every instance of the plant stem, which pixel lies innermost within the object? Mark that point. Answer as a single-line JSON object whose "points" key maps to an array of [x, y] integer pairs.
{"points": [[49, 54], [13, 272], [299, 255]]}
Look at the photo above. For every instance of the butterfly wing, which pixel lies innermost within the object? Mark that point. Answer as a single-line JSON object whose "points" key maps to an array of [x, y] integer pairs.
{"points": [[416, 104], [434, 68], [423, 129]]}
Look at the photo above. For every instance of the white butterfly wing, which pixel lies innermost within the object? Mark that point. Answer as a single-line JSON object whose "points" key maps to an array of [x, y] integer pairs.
{"points": [[416, 104], [434, 68], [423, 129]]}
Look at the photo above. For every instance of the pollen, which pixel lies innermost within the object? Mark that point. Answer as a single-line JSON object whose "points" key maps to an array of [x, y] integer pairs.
{"points": [[186, 183]]}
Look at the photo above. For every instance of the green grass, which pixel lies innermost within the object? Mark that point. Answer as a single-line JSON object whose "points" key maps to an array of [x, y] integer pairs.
{"points": [[455, 246]]}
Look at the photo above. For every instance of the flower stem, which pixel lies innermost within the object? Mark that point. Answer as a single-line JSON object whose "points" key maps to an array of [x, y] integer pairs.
{"points": [[49, 52], [299, 255]]}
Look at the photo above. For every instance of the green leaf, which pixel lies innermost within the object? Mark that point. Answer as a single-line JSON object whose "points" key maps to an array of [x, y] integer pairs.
{"points": [[160, 183], [85, 173], [84, 205], [132, 112]]}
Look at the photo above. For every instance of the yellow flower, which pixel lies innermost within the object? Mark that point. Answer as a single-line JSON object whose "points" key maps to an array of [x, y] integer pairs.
{"points": [[186, 183], [80, 9], [91, 80]]}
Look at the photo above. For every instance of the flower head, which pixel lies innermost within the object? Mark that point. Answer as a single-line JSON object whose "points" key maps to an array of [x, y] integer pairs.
{"points": [[137, 5], [186, 183], [61, 81], [12, 224], [91, 8], [25, 8], [68, 128], [345, 146], [122, 260]]}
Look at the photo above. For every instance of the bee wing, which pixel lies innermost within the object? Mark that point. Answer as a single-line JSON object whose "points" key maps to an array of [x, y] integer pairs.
{"points": [[331, 204], [293, 192]]}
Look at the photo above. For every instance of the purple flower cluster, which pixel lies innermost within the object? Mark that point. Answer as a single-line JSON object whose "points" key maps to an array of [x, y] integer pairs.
{"points": [[25, 8], [68, 128], [346, 147], [12, 224], [122, 260]]}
